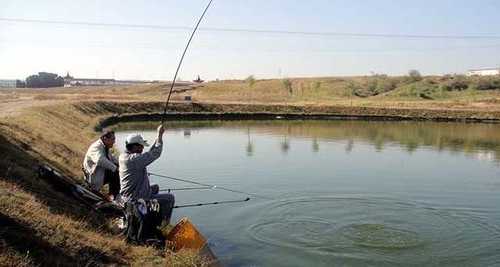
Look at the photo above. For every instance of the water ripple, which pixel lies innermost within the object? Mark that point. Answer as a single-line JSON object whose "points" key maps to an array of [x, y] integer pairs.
{"points": [[374, 229]]}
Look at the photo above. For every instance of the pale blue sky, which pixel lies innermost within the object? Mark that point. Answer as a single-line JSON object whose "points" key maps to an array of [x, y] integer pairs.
{"points": [[146, 53]]}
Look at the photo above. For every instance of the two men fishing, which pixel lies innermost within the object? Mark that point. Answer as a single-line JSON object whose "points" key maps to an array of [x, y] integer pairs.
{"points": [[127, 177]]}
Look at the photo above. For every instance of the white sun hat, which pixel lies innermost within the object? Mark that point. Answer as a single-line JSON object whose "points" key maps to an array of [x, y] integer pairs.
{"points": [[136, 139]]}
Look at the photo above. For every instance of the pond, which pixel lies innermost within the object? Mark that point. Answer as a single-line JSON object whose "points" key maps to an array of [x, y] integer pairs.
{"points": [[341, 193]]}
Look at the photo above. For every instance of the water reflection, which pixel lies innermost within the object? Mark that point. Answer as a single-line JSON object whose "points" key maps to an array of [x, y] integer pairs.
{"points": [[315, 145], [349, 146], [249, 147], [482, 141], [285, 145]]}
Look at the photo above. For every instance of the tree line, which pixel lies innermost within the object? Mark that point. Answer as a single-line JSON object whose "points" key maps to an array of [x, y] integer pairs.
{"points": [[41, 80]]}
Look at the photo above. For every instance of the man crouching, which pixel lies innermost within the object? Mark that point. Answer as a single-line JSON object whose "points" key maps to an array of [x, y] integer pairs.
{"points": [[134, 178], [100, 166]]}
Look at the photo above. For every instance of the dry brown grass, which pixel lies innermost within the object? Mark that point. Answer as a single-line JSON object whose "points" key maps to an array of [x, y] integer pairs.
{"points": [[186, 258], [336, 91], [41, 225]]}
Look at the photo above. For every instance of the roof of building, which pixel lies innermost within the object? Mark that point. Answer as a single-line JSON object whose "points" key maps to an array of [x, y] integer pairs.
{"points": [[495, 68], [93, 79]]}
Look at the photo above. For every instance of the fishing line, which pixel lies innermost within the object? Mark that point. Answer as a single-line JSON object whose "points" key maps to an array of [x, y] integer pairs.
{"points": [[180, 61], [209, 185], [185, 189], [211, 203]]}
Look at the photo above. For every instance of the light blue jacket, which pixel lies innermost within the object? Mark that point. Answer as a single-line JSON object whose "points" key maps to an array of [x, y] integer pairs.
{"points": [[134, 178]]}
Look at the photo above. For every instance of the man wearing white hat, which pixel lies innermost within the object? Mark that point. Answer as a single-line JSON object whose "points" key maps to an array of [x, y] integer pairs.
{"points": [[134, 178]]}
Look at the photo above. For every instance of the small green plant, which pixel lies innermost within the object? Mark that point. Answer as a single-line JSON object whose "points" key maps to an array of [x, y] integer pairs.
{"points": [[250, 80], [351, 88], [413, 90]]}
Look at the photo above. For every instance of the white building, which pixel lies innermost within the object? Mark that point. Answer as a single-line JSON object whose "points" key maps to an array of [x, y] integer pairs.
{"points": [[484, 72], [8, 83], [88, 82], [70, 81]]}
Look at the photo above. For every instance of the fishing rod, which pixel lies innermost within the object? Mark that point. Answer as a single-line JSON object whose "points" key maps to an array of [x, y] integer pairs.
{"points": [[186, 189], [209, 185], [180, 61], [211, 203]]}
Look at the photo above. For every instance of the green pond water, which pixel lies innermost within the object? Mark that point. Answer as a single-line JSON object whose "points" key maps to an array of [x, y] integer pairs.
{"points": [[338, 193]]}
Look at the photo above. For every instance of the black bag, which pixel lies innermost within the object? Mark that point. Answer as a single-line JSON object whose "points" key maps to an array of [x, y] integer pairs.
{"points": [[142, 220]]}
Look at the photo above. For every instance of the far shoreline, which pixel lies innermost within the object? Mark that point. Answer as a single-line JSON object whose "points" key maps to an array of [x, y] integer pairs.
{"points": [[214, 112]]}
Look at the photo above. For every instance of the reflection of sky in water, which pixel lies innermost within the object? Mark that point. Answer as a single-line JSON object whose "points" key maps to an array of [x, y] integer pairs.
{"points": [[486, 156], [342, 191]]}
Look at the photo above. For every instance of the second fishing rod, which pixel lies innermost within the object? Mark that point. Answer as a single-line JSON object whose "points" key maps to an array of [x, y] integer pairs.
{"points": [[205, 186]]}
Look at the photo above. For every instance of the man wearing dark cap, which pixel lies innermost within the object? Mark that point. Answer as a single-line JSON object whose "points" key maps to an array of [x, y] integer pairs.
{"points": [[100, 166]]}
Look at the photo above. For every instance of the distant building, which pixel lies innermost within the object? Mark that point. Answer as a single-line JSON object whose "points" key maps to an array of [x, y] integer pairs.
{"points": [[70, 81], [8, 83], [484, 72], [89, 82]]}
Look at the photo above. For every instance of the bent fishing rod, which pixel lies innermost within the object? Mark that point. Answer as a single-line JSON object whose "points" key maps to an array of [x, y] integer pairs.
{"points": [[182, 58], [207, 186]]}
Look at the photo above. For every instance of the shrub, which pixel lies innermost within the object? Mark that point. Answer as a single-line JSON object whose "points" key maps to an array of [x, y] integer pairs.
{"points": [[250, 80], [385, 85], [456, 83], [375, 85], [316, 85], [486, 83], [288, 85]]}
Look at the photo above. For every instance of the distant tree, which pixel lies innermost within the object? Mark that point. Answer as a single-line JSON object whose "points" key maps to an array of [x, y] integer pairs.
{"points": [[250, 80], [44, 80], [414, 75], [288, 85]]}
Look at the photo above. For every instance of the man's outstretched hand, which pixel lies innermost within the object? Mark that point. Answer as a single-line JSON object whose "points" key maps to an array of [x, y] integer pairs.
{"points": [[160, 130]]}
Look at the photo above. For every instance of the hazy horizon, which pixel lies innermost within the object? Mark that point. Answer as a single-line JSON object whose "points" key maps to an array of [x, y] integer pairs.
{"points": [[267, 39]]}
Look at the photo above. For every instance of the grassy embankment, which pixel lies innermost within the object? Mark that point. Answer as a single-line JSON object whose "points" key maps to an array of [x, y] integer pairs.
{"points": [[42, 226], [55, 126], [443, 92]]}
